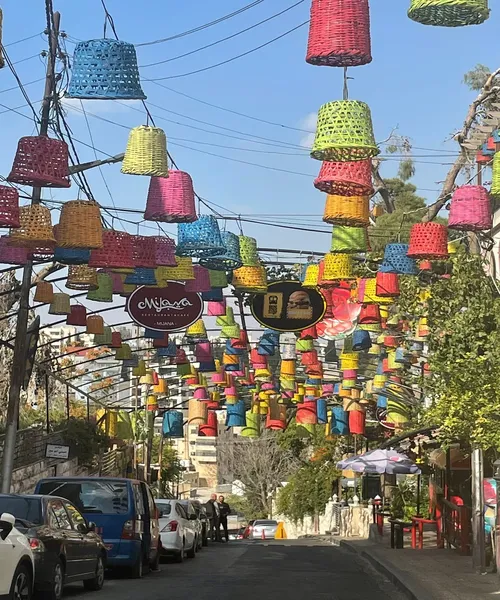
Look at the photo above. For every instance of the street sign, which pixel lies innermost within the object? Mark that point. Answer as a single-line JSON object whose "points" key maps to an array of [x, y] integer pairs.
{"points": [[32, 336], [288, 306], [57, 451], [165, 309]]}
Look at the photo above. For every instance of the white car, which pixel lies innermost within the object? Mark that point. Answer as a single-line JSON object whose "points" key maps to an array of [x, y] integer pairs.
{"points": [[17, 572], [178, 533]]}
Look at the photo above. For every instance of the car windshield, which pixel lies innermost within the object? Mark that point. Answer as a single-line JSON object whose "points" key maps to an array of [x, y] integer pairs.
{"points": [[27, 509], [165, 508], [102, 496]]}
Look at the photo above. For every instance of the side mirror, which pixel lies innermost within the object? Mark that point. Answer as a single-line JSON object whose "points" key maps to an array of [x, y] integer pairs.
{"points": [[7, 522]]}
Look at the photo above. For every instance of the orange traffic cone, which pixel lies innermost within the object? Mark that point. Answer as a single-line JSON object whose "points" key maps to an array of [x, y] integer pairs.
{"points": [[263, 536]]}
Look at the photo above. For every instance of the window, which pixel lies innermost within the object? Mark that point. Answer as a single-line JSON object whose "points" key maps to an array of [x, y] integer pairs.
{"points": [[165, 508], [61, 515], [90, 496], [76, 517], [151, 502], [139, 501], [180, 511], [28, 509]]}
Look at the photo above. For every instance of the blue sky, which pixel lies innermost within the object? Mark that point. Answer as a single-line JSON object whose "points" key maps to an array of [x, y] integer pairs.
{"points": [[414, 83]]}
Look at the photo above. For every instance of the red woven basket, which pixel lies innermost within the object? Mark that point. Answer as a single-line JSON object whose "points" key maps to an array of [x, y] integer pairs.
{"points": [[144, 251], [42, 162], [370, 314], [116, 252], [428, 240], [339, 33], [357, 422], [165, 252], [9, 207], [171, 199], [78, 316], [387, 284], [351, 178]]}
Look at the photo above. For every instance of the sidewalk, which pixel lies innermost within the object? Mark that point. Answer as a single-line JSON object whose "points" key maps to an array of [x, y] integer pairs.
{"points": [[428, 574]]}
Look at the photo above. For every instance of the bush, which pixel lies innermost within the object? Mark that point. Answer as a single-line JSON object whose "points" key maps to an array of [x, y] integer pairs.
{"points": [[86, 440]]}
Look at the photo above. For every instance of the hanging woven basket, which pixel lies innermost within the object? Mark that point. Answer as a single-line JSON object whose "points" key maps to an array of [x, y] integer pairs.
{"points": [[495, 181], [349, 239], [387, 284], [347, 210], [116, 251], [250, 279], [351, 178], [339, 33], [334, 267], [9, 255], [182, 272], [201, 281], [80, 225], [60, 304], [229, 259], [248, 251], [35, 228], [81, 277], [105, 69], [71, 256], [141, 276], [470, 209], [201, 238], [104, 291], [311, 276], [146, 152], [428, 240], [165, 251], [449, 13], [344, 132], [396, 260], [41, 162], [44, 292], [9, 206], [144, 251], [171, 200], [95, 325], [367, 292], [218, 279], [77, 316]]}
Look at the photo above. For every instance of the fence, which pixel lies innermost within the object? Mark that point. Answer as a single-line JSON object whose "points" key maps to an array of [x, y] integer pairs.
{"points": [[456, 527]]}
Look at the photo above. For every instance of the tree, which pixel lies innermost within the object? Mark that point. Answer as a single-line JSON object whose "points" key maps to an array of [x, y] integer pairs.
{"points": [[170, 465]]}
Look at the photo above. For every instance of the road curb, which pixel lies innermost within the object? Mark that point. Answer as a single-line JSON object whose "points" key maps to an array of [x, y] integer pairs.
{"points": [[411, 588]]}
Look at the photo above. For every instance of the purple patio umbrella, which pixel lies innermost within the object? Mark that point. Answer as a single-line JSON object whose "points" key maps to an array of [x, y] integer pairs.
{"points": [[380, 461]]}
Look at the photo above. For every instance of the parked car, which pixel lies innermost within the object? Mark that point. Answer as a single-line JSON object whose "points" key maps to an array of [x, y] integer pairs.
{"points": [[65, 546], [248, 530], [124, 513], [191, 510], [17, 573], [263, 528], [178, 531], [205, 523], [240, 534]]}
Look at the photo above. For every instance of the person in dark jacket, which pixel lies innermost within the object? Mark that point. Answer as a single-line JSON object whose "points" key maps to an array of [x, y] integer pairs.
{"points": [[225, 510], [214, 514]]}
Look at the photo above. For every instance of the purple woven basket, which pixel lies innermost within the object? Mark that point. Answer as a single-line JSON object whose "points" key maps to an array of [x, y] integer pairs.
{"points": [[11, 255], [201, 281], [171, 199], [470, 209]]}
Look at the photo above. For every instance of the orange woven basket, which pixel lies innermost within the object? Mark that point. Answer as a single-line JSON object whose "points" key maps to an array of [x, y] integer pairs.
{"points": [[82, 277], [35, 230], [80, 225], [347, 210]]}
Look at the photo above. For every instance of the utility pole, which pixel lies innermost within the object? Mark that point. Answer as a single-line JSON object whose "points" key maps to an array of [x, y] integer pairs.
{"points": [[478, 537], [19, 358]]}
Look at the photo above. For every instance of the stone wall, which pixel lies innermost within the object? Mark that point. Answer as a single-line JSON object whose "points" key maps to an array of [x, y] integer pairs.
{"points": [[25, 478], [30, 445]]}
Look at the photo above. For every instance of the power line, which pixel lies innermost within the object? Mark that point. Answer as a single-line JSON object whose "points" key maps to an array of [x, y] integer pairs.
{"points": [[229, 37], [225, 62], [31, 37], [204, 26]]}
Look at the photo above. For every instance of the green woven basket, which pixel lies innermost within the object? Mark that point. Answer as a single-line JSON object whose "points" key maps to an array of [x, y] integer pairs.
{"points": [[344, 132], [349, 239], [495, 181], [449, 13]]}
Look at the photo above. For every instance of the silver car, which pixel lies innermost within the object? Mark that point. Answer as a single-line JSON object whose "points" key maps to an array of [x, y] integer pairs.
{"points": [[263, 529]]}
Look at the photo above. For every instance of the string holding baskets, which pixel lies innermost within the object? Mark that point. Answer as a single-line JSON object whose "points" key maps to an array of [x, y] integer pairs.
{"points": [[449, 13], [41, 162], [428, 240], [171, 200], [339, 33], [35, 228], [9, 206], [146, 152], [201, 238], [105, 69], [470, 209], [347, 210], [80, 225], [350, 178], [344, 132]]}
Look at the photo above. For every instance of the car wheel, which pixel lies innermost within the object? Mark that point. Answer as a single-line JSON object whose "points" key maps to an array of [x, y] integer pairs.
{"points": [[179, 557], [137, 569], [95, 584], [22, 585], [191, 553], [56, 582]]}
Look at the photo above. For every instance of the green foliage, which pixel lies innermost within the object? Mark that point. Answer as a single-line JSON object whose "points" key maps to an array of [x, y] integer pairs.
{"points": [[86, 440], [245, 507], [476, 78], [464, 346], [170, 464]]}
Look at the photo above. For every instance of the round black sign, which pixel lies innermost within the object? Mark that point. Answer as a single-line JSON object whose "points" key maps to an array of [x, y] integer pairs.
{"points": [[287, 306]]}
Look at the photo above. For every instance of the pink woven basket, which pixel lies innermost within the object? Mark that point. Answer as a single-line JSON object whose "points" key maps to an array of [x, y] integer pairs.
{"points": [[470, 209], [165, 252], [351, 178], [201, 281], [9, 207], [116, 252], [144, 251], [171, 199]]}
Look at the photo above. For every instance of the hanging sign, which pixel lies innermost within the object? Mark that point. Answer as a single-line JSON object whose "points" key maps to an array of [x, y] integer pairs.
{"points": [[165, 309], [288, 306]]}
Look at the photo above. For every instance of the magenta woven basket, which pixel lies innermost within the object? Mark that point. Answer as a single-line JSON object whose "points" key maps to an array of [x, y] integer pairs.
{"points": [[10, 255], [216, 308], [116, 252], [9, 207], [351, 178], [171, 199], [470, 209], [201, 281], [165, 252], [144, 251]]}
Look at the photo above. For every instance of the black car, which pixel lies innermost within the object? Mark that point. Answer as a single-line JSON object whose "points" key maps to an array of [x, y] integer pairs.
{"points": [[205, 523], [65, 547]]}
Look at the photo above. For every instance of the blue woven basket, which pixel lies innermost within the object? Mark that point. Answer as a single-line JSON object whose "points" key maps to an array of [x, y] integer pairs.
{"points": [[201, 238], [321, 410], [396, 261], [232, 351], [381, 401], [207, 366], [105, 70], [71, 256], [236, 414], [169, 352], [141, 276], [153, 334], [230, 259], [214, 295], [361, 340], [340, 421], [173, 424]]}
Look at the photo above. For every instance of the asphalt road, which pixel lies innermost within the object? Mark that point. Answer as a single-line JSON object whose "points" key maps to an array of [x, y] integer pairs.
{"points": [[254, 571]]}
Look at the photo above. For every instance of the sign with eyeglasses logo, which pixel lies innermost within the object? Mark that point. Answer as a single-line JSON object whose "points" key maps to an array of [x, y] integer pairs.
{"points": [[287, 306]]}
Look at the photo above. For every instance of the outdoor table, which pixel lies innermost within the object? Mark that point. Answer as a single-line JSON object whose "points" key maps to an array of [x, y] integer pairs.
{"points": [[417, 531], [397, 532]]}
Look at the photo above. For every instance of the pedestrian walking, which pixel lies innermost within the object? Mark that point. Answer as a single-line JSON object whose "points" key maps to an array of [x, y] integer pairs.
{"points": [[225, 510], [215, 519]]}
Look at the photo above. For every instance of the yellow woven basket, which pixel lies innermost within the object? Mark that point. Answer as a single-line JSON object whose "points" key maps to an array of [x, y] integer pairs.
{"points": [[334, 267], [311, 276], [36, 228], [82, 277], [347, 210], [146, 152], [80, 225], [182, 272], [250, 279]]}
